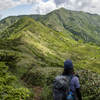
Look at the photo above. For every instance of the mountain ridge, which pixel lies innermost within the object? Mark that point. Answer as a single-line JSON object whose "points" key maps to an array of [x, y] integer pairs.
{"points": [[81, 25], [4, 23], [35, 54], [47, 41], [74, 24]]}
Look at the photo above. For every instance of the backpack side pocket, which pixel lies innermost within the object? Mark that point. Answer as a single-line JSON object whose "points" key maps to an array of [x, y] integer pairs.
{"points": [[57, 94]]}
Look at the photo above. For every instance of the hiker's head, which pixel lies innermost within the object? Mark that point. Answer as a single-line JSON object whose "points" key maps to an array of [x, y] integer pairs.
{"points": [[68, 67], [68, 64]]}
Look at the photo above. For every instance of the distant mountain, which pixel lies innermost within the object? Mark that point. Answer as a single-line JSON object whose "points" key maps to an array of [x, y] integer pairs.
{"points": [[74, 24], [4, 23], [15, 29], [84, 26]]}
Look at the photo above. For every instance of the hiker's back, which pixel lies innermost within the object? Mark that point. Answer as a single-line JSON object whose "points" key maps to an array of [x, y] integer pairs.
{"points": [[66, 86], [61, 87]]}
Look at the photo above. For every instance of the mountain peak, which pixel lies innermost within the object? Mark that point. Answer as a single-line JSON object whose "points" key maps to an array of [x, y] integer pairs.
{"points": [[62, 8]]}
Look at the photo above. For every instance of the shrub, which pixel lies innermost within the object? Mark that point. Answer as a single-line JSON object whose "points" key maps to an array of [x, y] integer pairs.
{"points": [[7, 90]]}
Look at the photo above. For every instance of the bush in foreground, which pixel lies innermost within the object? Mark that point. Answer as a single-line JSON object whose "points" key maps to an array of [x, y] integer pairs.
{"points": [[7, 90]]}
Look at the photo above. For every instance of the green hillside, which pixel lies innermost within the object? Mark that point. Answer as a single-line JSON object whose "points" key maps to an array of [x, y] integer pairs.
{"points": [[75, 24], [50, 42], [35, 54], [82, 25], [4, 23]]}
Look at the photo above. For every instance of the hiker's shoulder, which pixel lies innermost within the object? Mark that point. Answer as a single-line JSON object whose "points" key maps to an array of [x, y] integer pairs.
{"points": [[75, 78]]}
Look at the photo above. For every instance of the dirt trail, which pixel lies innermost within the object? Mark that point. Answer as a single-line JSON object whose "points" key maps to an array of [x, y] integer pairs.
{"points": [[38, 91]]}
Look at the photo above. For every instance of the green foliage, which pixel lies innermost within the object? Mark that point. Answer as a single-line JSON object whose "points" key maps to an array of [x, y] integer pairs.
{"points": [[6, 22], [89, 81], [35, 54], [7, 90], [47, 92], [81, 25], [40, 75], [91, 43], [9, 58], [48, 47], [9, 44]]}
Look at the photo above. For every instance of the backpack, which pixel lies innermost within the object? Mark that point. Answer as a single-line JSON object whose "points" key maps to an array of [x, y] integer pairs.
{"points": [[61, 87]]}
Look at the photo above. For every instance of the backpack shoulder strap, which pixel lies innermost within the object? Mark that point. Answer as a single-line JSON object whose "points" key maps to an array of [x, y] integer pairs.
{"points": [[71, 76]]}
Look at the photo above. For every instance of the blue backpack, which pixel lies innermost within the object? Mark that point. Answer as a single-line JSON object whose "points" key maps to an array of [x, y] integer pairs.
{"points": [[61, 87]]}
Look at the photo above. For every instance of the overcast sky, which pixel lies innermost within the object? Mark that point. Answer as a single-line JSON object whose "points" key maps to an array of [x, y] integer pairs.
{"points": [[20, 7]]}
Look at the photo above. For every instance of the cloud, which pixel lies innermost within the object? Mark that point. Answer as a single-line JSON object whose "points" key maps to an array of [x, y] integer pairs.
{"points": [[44, 7], [91, 6], [58, 2], [6, 4]]}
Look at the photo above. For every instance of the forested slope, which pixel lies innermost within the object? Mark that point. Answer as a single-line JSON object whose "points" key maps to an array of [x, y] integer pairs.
{"points": [[35, 54], [75, 24]]}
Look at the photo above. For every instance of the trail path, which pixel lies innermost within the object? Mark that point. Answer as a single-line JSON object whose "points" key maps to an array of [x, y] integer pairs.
{"points": [[38, 91]]}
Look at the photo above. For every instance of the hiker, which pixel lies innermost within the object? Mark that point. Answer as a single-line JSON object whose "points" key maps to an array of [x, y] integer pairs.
{"points": [[67, 80]]}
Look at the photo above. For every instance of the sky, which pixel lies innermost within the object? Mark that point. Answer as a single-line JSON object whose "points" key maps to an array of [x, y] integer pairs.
{"points": [[26, 7]]}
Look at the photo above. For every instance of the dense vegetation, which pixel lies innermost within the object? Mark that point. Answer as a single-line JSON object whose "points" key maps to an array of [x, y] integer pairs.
{"points": [[4, 23], [7, 89], [75, 24], [82, 25], [34, 53], [90, 82]]}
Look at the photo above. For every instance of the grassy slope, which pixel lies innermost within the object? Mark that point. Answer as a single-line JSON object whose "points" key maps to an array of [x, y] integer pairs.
{"points": [[41, 52], [75, 24], [82, 25], [4, 23], [52, 46]]}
